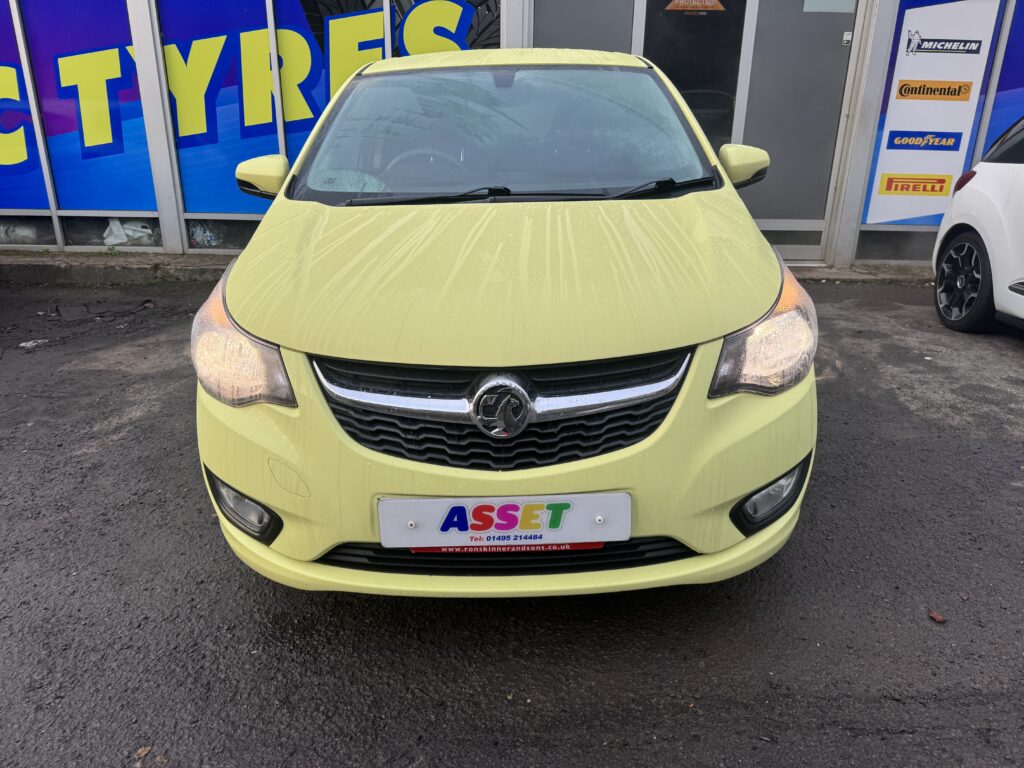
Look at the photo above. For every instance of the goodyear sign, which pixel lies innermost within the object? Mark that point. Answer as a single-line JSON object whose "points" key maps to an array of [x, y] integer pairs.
{"points": [[940, 141], [220, 85]]}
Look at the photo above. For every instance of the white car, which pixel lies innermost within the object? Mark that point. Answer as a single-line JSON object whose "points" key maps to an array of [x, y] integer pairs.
{"points": [[979, 254]]}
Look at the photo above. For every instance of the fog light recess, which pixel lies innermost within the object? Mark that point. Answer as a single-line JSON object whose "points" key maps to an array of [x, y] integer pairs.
{"points": [[771, 502], [247, 515]]}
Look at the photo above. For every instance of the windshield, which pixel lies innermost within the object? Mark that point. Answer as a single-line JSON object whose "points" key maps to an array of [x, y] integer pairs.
{"points": [[592, 131]]}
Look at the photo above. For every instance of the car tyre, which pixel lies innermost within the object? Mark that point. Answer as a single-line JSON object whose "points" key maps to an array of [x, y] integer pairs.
{"points": [[963, 285]]}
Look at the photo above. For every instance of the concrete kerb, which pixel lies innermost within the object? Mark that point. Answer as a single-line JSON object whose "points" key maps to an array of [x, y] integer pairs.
{"points": [[50, 268]]}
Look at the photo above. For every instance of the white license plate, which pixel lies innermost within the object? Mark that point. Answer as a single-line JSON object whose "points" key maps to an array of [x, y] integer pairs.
{"points": [[505, 523]]}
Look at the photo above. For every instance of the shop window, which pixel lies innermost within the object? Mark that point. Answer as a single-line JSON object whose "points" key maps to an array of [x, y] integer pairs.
{"points": [[341, 36], [227, 235], [430, 26], [697, 44], [112, 231], [220, 86], [21, 175], [27, 230], [321, 43], [88, 94], [1008, 104], [792, 237]]}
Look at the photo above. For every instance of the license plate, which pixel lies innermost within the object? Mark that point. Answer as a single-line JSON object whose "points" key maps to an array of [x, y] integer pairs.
{"points": [[505, 523]]}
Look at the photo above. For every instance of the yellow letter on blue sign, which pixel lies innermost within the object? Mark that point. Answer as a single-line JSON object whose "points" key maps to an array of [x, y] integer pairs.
{"points": [[257, 79], [353, 39], [431, 26], [13, 146], [88, 77], [296, 64], [189, 83]]}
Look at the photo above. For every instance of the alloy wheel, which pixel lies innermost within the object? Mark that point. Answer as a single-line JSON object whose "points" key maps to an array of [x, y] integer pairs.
{"points": [[958, 281]]}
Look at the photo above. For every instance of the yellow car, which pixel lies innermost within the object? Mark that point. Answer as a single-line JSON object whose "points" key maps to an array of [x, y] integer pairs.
{"points": [[506, 330]]}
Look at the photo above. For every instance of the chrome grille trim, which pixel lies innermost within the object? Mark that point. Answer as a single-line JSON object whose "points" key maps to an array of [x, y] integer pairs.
{"points": [[545, 408]]}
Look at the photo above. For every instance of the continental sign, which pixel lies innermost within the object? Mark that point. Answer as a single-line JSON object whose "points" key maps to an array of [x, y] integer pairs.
{"points": [[934, 90], [917, 184]]}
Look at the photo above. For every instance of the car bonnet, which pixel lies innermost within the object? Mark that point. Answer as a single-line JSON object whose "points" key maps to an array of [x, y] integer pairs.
{"points": [[498, 284]]}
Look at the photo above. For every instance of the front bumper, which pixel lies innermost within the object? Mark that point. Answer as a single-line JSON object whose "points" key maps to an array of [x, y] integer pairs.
{"points": [[695, 570], [684, 480]]}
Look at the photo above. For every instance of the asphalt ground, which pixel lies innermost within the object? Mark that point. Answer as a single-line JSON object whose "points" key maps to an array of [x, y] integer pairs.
{"points": [[130, 635]]}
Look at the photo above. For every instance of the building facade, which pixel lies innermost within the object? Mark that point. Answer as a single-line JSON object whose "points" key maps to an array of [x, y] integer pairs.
{"points": [[121, 121]]}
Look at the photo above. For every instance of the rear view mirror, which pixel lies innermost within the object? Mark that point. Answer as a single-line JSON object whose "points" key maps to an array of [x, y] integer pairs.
{"points": [[262, 176], [744, 165]]}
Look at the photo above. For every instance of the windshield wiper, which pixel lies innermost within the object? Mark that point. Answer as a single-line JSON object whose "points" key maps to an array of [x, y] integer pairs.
{"points": [[663, 186], [481, 194], [477, 193]]}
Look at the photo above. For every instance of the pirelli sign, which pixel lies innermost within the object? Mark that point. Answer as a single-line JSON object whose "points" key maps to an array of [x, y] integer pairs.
{"points": [[919, 184], [934, 90]]}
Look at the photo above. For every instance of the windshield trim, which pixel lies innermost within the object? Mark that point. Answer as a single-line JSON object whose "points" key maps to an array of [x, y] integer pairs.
{"points": [[340, 199]]}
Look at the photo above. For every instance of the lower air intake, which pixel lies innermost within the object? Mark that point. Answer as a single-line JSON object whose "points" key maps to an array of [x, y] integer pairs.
{"points": [[617, 554]]}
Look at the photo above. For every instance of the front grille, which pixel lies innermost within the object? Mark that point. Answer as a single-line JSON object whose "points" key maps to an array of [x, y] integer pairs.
{"points": [[464, 445], [617, 554], [548, 380], [540, 445]]}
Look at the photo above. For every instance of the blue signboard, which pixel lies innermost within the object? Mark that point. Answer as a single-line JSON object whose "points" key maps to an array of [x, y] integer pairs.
{"points": [[21, 175], [88, 96], [1008, 107], [220, 83], [217, 57]]}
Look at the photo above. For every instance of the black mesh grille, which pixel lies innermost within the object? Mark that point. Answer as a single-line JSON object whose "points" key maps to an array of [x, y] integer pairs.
{"points": [[617, 554], [541, 444]]}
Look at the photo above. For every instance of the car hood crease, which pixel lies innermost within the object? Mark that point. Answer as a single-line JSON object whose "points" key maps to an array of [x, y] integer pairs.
{"points": [[500, 284]]}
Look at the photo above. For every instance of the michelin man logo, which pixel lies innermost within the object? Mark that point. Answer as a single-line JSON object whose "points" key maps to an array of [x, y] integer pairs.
{"points": [[913, 41]]}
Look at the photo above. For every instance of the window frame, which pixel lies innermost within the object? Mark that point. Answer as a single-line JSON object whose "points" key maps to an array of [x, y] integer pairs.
{"points": [[1012, 139]]}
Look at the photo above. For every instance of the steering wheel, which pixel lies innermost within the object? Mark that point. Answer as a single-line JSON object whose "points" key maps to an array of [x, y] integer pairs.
{"points": [[409, 154]]}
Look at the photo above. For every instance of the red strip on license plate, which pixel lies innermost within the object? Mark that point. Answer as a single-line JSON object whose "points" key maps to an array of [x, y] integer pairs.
{"points": [[512, 548]]}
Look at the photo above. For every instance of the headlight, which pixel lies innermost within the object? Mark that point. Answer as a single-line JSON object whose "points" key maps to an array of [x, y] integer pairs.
{"points": [[776, 352], [232, 366]]}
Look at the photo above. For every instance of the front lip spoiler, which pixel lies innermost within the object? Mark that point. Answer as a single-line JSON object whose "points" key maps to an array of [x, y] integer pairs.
{"points": [[700, 569], [460, 410]]}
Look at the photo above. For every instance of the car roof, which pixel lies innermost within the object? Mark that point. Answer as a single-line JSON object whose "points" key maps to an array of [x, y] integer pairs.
{"points": [[504, 57]]}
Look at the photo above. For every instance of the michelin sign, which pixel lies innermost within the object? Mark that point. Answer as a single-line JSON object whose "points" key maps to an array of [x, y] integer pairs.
{"points": [[926, 135]]}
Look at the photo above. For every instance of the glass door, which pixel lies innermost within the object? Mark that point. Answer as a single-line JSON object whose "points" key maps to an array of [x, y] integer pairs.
{"points": [[794, 101], [771, 73], [698, 44]]}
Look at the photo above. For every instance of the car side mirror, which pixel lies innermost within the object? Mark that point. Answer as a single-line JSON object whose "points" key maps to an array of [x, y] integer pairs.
{"points": [[262, 176], [744, 165]]}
